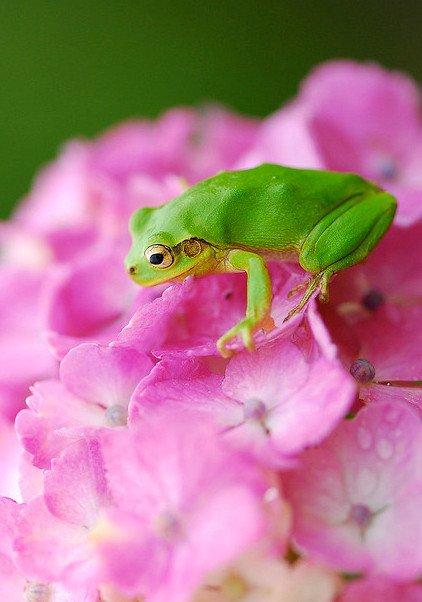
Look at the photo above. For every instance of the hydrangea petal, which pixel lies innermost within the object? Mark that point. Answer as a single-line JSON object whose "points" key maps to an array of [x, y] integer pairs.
{"points": [[355, 498], [104, 375], [75, 488]]}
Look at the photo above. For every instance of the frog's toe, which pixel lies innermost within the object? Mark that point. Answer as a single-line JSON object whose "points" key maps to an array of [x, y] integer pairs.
{"points": [[299, 288], [222, 347], [268, 324], [247, 338]]}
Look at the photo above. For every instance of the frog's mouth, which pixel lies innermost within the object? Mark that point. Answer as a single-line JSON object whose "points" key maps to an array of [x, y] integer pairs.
{"points": [[151, 277]]}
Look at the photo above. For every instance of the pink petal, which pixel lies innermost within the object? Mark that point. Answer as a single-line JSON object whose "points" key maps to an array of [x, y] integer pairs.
{"points": [[46, 546], [53, 407], [372, 465], [75, 489], [377, 589], [104, 375]]}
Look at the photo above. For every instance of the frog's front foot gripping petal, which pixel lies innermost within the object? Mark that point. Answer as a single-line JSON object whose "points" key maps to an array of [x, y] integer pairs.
{"points": [[245, 328], [258, 300]]}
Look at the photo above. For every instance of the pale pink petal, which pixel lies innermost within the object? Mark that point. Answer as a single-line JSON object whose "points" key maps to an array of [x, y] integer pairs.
{"points": [[10, 454], [51, 408], [12, 581], [356, 498], [104, 375], [75, 488], [172, 504], [385, 105], [59, 194], [82, 301], [284, 138], [46, 546]]}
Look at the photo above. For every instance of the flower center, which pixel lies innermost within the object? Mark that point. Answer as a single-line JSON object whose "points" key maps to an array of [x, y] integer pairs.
{"points": [[167, 525], [254, 409], [372, 299], [115, 415], [361, 515], [36, 592], [387, 168]]}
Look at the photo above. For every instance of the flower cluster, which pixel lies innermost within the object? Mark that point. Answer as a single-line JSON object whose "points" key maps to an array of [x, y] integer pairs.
{"points": [[147, 468]]}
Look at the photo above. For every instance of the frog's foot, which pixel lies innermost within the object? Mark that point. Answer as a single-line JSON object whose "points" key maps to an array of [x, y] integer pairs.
{"points": [[299, 288], [323, 286], [245, 328], [267, 323], [321, 281]]}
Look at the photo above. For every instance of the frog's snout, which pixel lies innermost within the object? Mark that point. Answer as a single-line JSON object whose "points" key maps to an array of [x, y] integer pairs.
{"points": [[131, 270]]}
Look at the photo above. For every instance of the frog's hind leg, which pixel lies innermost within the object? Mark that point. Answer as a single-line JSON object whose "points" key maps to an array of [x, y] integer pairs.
{"points": [[310, 288], [343, 238]]}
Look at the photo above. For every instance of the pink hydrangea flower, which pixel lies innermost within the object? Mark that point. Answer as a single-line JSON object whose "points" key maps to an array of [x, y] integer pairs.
{"points": [[94, 392], [182, 508], [10, 458], [188, 319], [24, 356], [15, 585], [154, 468], [270, 402], [74, 225], [195, 145], [51, 542], [376, 131], [83, 303], [356, 497], [374, 316]]}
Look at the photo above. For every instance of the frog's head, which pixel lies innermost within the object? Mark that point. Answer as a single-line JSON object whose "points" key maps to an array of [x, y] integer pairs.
{"points": [[157, 256]]}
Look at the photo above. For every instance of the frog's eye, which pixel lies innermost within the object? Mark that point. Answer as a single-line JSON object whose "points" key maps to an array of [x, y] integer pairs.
{"points": [[159, 256]]}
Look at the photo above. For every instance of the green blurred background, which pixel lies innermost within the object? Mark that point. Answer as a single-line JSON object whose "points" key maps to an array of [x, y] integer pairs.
{"points": [[73, 68]]}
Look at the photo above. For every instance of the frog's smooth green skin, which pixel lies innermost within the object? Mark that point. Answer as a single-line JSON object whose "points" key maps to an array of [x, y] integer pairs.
{"points": [[237, 220]]}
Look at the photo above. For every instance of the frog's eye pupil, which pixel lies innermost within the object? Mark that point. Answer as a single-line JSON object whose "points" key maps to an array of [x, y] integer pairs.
{"points": [[159, 256], [156, 258]]}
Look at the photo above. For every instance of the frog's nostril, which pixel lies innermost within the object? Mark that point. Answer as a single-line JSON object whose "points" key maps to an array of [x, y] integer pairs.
{"points": [[132, 269]]}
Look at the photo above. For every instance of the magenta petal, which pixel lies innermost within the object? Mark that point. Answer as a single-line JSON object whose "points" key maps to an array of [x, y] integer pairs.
{"points": [[82, 302], [374, 392], [292, 393], [392, 341], [148, 326], [181, 386]]}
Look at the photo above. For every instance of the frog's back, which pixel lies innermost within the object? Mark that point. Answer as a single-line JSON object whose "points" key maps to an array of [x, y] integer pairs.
{"points": [[267, 207]]}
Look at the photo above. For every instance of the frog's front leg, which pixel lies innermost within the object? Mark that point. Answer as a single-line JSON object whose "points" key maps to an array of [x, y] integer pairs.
{"points": [[258, 300]]}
